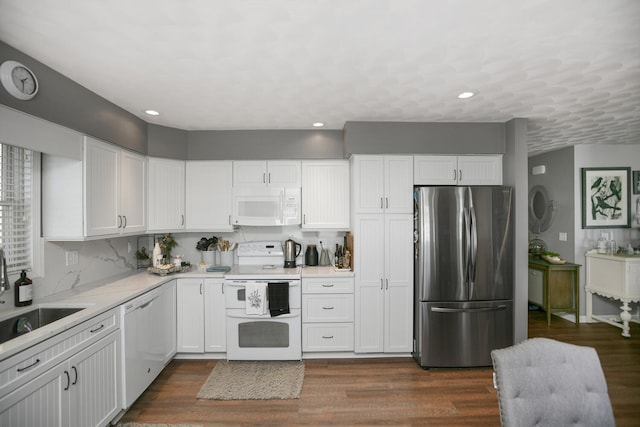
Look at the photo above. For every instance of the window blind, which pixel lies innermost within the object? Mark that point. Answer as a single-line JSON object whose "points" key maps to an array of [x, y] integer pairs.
{"points": [[16, 174]]}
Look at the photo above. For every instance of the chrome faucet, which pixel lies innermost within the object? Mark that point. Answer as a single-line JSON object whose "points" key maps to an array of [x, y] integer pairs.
{"points": [[5, 285]]}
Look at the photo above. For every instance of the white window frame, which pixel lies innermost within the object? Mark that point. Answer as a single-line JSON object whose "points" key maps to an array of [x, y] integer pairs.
{"points": [[37, 244]]}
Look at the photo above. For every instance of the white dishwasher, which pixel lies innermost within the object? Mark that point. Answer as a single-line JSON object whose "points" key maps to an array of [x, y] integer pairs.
{"points": [[148, 339]]}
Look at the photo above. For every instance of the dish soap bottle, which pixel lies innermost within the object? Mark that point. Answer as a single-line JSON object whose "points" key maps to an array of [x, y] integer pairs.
{"points": [[24, 290]]}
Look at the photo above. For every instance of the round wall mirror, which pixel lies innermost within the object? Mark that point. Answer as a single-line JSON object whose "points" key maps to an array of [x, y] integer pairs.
{"points": [[541, 209]]}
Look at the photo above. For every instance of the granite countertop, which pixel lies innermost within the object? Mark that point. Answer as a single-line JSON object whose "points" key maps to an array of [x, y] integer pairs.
{"points": [[108, 294]]}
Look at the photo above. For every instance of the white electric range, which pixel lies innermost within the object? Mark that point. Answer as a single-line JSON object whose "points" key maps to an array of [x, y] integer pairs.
{"points": [[256, 328]]}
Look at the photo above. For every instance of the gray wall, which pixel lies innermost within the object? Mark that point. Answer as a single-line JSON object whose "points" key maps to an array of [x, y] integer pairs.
{"points": [[515, 175], [424, 138], [166, 142], [558, 181], [62, 101], [265, 144]]}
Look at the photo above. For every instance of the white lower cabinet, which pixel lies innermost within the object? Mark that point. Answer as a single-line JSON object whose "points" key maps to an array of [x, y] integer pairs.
{"points": [[327, 314], [383, 248], [201, 316], [82, 391]]}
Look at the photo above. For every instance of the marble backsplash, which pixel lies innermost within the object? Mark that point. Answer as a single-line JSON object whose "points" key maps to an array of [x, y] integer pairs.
{"points": [[99, 260]]}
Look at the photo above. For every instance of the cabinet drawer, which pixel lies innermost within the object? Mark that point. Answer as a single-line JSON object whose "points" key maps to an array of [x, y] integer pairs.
{"points": [[326, 285], [26, 365], [327, 337], [327, 308]]}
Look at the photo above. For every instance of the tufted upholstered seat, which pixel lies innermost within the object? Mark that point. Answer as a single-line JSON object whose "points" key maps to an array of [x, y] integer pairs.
{"points": [[542, 382]]}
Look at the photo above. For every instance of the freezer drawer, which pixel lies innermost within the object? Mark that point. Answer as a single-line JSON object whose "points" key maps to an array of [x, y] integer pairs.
{"points": [[462, 334]]}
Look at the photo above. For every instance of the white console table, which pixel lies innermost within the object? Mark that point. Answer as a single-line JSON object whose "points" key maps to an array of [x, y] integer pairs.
{"points": [[613, 276]]}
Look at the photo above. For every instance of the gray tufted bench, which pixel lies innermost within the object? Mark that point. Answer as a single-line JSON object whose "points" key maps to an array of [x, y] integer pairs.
{"points": [[542, 382]]}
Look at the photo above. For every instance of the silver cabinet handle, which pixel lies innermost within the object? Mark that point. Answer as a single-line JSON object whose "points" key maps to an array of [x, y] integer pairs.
{"points": [[304, 218], [125, 221], [454, 174], [68, 381], [75, 379], [327, 308], [329, 337], [264, 178], [387, 199], [119, 221], [381, 202], [381, 283], [459, 174], [269, 178], [229, 219], [182, 219], [324, 285]]}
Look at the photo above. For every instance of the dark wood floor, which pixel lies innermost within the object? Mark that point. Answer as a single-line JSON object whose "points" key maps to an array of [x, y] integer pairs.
{"points": [[388, 391]]}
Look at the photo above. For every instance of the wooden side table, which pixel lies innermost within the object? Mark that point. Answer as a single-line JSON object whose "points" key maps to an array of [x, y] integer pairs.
{"points": [[561, 287]]}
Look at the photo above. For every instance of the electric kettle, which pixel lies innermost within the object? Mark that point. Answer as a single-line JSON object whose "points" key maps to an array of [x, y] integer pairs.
{"points": [[291, 252]]}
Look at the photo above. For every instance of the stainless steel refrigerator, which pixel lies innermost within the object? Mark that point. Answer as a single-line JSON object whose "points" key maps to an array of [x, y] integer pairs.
{"points": [[463, 274]]}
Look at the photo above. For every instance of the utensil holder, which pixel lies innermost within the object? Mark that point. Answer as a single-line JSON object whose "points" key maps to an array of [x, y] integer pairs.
{"points": [[226, 258], [209, 257]]}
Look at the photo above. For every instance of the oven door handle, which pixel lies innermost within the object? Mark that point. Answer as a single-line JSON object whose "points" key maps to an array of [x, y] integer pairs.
{"points": [[240, 314]]}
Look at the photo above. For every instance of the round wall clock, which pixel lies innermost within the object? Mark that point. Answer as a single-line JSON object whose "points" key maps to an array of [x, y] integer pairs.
{"points": [[18, 80]]}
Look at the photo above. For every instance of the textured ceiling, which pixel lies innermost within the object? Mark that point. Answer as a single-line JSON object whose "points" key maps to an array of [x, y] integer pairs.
{"points": [[572, 67]]}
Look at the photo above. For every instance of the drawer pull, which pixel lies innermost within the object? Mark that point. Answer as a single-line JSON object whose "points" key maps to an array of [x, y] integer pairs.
{"points": [[68, 381], [327, 286], [29, 366], [330, 337], [97, 329], [327, 308], [75, 371]]}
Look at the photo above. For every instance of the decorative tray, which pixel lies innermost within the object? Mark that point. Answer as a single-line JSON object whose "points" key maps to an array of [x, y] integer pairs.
{"points": [[553, 260], [168, 269]]}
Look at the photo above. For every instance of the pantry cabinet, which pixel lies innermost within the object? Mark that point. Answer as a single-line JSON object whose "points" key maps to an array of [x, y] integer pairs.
{"points": [[166, 195], [325, 194], [458, 170], [382, 184], [208, 195], [201, 316], [383, 266], [276, 173], [102, 195]]}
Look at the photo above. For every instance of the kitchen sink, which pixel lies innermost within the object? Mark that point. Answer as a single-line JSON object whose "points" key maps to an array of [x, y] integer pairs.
{"points": [[22, 323]]}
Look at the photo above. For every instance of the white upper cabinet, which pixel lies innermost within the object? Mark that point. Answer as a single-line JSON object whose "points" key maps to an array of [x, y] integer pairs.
{"points": [[166, 195], [458, 170], [102, 195], [276, 173], [208, 195], [325, 194], [382, 184]]}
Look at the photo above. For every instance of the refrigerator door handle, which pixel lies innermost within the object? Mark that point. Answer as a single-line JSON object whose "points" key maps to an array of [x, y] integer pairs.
{"points": [[467, 242], [474, 250], [467, 310]]}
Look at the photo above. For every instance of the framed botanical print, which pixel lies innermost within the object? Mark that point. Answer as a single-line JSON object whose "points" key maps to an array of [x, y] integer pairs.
{"points": [[606, 197]]}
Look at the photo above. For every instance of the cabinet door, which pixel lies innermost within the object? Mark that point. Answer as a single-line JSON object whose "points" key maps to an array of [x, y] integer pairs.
{"points": [[215, 332], [133, 192], [249, 173], [168, 304], [95, 383], [41, 402], [190, 302], [368, 184], [283, 173], [398, 184], [480, 170], [101, 196], [369, 281], [208, 196], [325, 194], [166, 195], [435, 170], [398, 265]]}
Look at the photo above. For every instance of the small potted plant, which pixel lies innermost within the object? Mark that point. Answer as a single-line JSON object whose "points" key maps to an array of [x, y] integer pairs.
{"points": [[144, 260]]}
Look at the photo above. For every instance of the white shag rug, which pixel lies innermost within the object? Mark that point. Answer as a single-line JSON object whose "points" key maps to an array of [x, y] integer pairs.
{"points": [[254, 380]]}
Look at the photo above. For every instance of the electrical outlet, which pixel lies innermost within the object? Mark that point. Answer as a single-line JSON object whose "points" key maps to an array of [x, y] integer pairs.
{"points": [[71, 257], [562, 236]]}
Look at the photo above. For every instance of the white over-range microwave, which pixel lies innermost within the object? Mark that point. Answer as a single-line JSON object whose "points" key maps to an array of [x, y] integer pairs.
{"points": [[266, 206]]}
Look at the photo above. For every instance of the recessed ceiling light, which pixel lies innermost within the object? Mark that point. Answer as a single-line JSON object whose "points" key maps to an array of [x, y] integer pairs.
{"points": [[466, 94], [318, 124], [152, 112]]}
